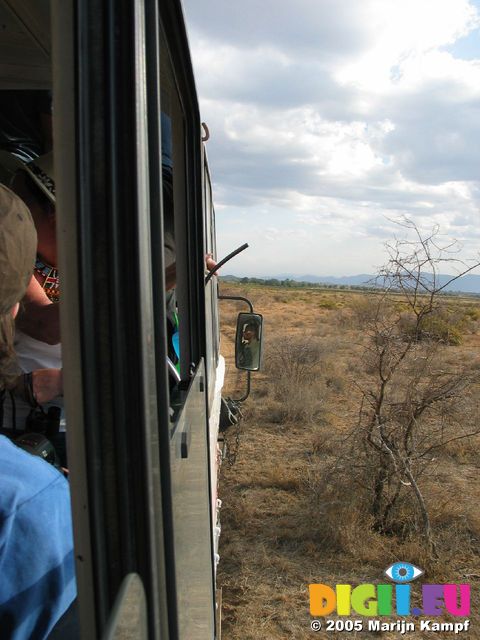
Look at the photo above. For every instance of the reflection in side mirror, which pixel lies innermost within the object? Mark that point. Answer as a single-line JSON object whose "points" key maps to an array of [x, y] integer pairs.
{"points": [[248, 341]]}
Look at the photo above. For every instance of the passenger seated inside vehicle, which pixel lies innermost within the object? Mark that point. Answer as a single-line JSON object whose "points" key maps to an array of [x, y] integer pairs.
{"points": [[36, 404], [37, 584]]}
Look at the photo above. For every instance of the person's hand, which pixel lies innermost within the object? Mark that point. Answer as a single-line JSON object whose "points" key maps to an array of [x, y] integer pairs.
{"points": [[47, 384], [210, 263]]}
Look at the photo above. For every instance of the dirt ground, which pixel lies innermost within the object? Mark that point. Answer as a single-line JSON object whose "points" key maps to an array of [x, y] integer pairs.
{"points": [[287, 519]]}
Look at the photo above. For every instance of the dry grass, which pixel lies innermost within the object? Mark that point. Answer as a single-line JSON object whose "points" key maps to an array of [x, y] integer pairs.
{"points": [[288, 518]]}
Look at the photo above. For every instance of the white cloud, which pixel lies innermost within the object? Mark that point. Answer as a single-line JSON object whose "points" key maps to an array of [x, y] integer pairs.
{"points": [[335, 116], [405, 34]]}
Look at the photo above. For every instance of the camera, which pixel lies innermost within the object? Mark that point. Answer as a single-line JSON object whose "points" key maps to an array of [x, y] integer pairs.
{"points": [[47, 423], [41, 428]]}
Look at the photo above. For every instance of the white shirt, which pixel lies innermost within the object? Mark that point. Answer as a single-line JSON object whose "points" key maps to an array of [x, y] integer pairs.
{"points": [[32, 354]]}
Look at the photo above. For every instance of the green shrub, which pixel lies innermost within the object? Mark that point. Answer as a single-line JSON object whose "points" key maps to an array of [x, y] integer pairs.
{"points": [[327, 304], [441, 325]]}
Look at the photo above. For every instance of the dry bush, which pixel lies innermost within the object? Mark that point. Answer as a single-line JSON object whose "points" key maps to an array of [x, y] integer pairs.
{"points": [[324, 440], [295, 356], [440, 326], [300, 405], [292, 364], [261, 389], [228, 315], [344, 526], [336, 383], [327, 304], [321, 330], [363, 310]]}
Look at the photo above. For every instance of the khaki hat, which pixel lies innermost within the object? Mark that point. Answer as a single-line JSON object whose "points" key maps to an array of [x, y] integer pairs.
{"points": [[18, 246], [39, 170]]}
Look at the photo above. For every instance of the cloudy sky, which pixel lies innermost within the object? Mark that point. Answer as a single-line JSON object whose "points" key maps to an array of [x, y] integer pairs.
{"points": [[329, 119]]}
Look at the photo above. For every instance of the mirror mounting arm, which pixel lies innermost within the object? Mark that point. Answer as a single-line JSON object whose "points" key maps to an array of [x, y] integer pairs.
{"points": [[247, 392], [246, 300], [250, 305]]}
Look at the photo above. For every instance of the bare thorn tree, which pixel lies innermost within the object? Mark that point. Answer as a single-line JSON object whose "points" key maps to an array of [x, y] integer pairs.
{"points": [[410, 389]]}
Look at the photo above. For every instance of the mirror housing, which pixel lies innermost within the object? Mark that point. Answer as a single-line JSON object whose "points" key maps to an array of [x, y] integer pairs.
{"points": [[248, 341]]}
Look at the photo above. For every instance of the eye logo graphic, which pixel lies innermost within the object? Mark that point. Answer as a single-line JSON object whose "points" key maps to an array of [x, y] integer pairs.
{"points": [[403, 572], [388, 599]]}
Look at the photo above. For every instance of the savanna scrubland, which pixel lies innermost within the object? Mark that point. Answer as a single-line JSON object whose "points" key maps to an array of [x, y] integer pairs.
{"points": [[358, 448]]}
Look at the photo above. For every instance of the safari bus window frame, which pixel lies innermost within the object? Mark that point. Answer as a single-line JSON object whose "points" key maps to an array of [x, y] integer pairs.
{"points": [[107, 104]]}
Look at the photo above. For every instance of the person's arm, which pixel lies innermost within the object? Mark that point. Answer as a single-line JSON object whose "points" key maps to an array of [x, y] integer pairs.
{"points": [[47, 384], [40, 386], [171, 276], [36, 551], [39, 317]]}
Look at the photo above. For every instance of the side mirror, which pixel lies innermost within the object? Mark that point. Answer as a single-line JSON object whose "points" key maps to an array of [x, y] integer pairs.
{"points": [[248, 341]]}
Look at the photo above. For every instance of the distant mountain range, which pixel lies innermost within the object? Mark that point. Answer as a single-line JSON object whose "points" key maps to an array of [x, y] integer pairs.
{"points": [[469, 283]]}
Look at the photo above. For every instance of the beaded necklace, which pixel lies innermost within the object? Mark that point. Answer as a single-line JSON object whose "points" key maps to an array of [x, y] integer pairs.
{"points": [[51, 282]]}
